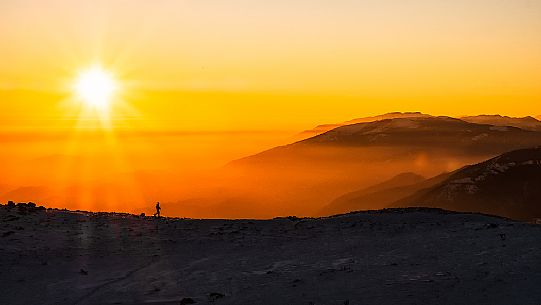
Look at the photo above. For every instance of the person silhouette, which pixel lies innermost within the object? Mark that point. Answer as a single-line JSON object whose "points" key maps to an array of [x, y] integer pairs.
{"points": [[158, 209]]}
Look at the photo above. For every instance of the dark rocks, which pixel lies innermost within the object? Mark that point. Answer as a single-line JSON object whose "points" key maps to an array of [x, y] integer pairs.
{"points": [[214, 296], [8, 233], [12, 218], [186, 301], [491, 226], [291, 218], [24, 208]]}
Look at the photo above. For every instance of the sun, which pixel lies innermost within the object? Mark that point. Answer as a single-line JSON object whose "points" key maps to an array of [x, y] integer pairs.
{"points": [[95, 87]]}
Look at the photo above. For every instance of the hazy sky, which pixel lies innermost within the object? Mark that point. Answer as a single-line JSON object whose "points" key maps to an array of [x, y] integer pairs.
{"points": [[245, 64]]}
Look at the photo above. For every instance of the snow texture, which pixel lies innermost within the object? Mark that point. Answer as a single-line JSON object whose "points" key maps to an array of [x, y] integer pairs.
{"points": [[401, 256]]}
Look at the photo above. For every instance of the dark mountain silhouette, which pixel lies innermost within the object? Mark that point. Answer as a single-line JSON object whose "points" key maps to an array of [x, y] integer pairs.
{"points": [[399, 180], [374, 197], [508, 185], [528, 122]]}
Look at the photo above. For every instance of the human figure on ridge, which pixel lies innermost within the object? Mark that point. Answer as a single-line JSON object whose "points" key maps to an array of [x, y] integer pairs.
{"points": [[158, 208]]}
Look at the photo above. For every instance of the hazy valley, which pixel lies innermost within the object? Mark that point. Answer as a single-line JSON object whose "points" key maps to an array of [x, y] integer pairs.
{"points": [[303, 177], [349, 167]]}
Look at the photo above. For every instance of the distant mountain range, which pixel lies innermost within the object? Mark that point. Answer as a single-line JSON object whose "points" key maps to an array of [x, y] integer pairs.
{"points": [[326, 127], [528, 122], [434, 132], [378, 196], [303, 177]]}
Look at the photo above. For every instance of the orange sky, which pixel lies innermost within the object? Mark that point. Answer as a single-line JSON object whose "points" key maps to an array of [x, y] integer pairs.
{"points": [[275, 64], [203, 82]]}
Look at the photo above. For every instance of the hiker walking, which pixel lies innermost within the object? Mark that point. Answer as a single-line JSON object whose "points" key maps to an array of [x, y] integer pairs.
{"points": [[158, 208]]}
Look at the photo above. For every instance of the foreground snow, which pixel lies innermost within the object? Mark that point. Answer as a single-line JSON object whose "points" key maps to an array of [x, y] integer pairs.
{"points": [[390, 257]]}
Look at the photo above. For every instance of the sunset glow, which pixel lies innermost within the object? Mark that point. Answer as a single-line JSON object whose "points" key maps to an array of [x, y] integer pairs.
{"points": [[95, 87], [270, 152], [131, 102]]}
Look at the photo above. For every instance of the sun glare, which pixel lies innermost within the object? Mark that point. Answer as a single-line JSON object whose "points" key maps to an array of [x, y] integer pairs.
{"points": [[95, 87]]}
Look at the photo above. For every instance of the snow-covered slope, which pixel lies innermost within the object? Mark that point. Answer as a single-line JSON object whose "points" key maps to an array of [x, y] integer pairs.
{"points": [[384, 257], [508, 185], [427, 132], [528, 122]]}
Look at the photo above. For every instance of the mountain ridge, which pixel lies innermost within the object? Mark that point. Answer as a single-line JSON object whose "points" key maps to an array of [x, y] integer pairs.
{"points": [[380, 195], [506, 185], [527, 122]]}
